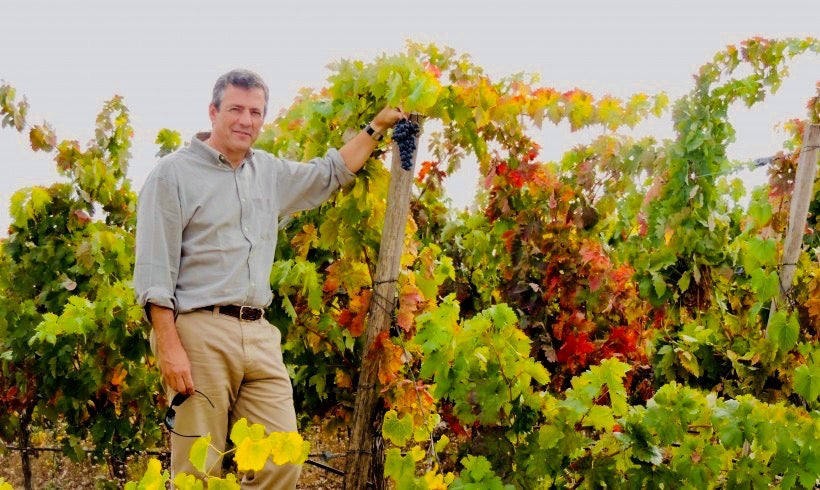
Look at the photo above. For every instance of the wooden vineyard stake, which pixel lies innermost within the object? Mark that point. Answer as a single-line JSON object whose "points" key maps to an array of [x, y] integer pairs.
{"points": [[361, 448], [801, 198]]}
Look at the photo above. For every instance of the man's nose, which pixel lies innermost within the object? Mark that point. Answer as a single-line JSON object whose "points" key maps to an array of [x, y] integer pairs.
{"points": [[245, 118]]}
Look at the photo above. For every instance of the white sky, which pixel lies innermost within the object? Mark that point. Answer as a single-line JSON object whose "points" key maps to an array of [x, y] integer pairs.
{"points": [[163, 57]]}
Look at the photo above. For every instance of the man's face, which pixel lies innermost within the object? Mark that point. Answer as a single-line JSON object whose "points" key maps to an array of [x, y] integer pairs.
{"points": [[237, 122]]}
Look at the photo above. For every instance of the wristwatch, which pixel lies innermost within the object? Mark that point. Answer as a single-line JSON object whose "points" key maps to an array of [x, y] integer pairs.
{"points": [[377, 136]]}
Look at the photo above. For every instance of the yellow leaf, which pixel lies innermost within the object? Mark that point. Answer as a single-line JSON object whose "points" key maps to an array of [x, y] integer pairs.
{"points": [[314, 341], [434, 481], [153, 479], [184, 481], [305, 239], [288, 447], [118, 376], [228, 483], [343, 379], [610, 112], [39, 198], [442, 443], [252, 454], [241, 431]]}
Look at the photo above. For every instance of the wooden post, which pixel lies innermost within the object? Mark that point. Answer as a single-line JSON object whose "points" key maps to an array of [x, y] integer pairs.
{"points": [[801, 198], [361, 446]]}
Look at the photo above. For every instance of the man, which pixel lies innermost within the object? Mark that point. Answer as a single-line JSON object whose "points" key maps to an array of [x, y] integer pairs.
{"points": [[206, 233]]}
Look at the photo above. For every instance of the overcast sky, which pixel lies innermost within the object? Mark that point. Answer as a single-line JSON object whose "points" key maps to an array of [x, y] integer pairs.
{"points": [[163, 57]]}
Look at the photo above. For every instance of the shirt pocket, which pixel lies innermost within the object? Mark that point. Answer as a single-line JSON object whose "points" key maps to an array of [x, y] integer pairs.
{"points": [[265, 216]]}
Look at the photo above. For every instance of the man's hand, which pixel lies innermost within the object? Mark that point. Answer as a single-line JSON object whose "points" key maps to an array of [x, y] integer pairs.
{"points": [[356, 151], [174, 365], [387, 118]]}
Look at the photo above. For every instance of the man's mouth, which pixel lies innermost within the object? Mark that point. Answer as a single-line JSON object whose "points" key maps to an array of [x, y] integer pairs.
{"points": [[243, 133]]}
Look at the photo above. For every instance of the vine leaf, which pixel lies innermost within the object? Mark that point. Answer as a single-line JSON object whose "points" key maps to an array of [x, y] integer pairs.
{"points": [[784, 331], [199, 452], [397, 430], [807, 382]]}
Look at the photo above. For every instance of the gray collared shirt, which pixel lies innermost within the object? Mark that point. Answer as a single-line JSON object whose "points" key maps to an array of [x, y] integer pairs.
{"points": [[206, 232]]}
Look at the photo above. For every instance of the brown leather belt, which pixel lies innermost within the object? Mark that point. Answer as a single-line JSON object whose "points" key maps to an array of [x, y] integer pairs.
{"points": [[243, 313]]}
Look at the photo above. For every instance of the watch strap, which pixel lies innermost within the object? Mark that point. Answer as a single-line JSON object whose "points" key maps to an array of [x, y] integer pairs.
{"points": [[377, 136]]}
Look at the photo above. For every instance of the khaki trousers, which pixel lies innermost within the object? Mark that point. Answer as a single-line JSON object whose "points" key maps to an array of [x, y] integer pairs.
{"points": [[238, 365]]}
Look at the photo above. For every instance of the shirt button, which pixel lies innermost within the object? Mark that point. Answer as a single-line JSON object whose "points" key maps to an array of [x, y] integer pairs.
{"points": [[246, 228], [243, 199]]}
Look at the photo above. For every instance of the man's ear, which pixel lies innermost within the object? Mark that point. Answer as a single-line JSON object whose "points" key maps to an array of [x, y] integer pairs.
{"points": [[212, 110]]}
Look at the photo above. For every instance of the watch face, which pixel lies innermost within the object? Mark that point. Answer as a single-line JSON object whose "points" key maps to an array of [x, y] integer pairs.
{"points": [[369, 129]]}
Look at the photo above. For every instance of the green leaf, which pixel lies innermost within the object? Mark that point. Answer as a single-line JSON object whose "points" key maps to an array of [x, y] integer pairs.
{"points": [[659, 284], [424, 95], [762, 253], [442, 443], [393, 89], [761, 212], [288, 307], [784, 332], [601, 418], [683, 282], [400, 467], [477, 466], [39, 198], [650, 454], [168, 141], [199, 452], [764, 285], [807, 382], [397, 430]]}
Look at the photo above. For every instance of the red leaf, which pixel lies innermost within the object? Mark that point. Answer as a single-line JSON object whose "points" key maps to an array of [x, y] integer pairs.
{"points": [[432, 69], [447, 415], [424, 170], [533, 153], [82, 216], [333, 280], [574, 351], [409, 301], [10, 394], [622, 341], [516, 178], [353, 318], [389, 356]]}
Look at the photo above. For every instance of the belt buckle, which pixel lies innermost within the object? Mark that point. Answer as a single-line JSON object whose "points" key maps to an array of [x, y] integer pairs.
{"points": [[253, 313]]}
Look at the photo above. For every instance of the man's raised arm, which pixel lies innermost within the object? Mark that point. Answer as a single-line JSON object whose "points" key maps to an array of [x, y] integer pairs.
{"points": [[356, 151]]}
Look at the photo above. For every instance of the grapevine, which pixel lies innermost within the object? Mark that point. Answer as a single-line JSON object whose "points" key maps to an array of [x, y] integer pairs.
{"points": [[592, 321]]}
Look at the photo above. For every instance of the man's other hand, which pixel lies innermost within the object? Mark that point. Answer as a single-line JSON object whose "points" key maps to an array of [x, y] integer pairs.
{"points": [[174, 365]]}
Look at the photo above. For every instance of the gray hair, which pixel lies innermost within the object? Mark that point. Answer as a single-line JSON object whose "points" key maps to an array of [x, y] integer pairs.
{"points": [[241, 78]]}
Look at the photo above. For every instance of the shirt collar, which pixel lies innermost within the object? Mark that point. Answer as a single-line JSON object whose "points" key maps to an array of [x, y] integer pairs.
{"points": [[212, 156]]}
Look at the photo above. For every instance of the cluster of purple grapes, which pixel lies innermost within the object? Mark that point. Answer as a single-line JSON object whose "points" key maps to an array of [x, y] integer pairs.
{"points": [[404, 134]]}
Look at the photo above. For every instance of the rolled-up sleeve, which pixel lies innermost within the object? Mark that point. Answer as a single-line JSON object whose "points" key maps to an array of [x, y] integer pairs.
{"points": [[302, 186], [158, 243]]}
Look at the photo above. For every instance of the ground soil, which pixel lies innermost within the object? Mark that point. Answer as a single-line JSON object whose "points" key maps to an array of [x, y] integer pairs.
{"points": [[52, 471]]}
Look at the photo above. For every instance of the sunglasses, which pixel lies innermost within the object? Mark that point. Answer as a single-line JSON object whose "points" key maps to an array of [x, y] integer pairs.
{"points": [[171, 414]]}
